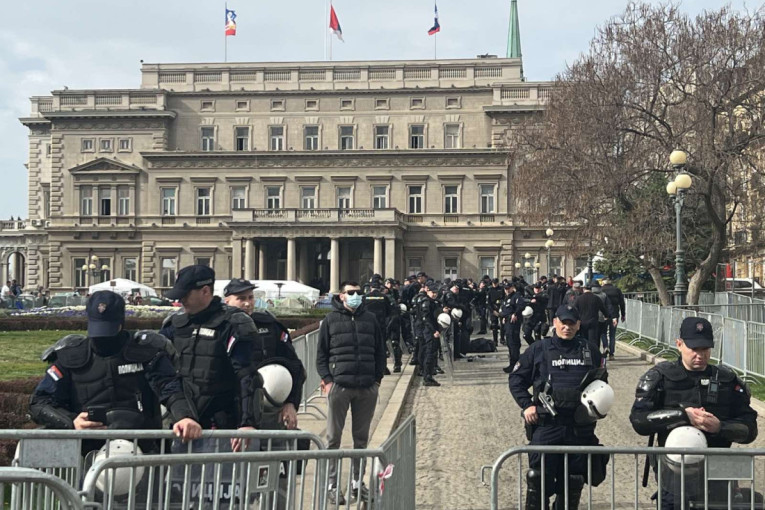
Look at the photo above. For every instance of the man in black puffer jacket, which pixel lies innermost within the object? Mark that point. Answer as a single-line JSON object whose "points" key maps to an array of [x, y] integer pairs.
{"points": [[350, 359]]}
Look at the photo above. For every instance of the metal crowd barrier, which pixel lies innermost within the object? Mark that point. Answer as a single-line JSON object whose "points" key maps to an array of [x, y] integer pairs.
{"points": [[724, 478], [31, 488], [306, 346], [739, 343]]}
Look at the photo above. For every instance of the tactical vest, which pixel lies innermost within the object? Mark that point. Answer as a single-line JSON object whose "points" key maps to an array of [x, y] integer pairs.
{"points": [[117, 382], [565, 373], [417, 305], [269, 333], [203, 361], [711, 391]]}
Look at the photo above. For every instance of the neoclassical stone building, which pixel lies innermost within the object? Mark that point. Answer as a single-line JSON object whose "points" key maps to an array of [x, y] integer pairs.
{"points": [[306, 170]]}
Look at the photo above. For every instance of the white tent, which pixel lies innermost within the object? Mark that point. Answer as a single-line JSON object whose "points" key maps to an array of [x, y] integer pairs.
{"points": [[269, 289], [123, 287]]}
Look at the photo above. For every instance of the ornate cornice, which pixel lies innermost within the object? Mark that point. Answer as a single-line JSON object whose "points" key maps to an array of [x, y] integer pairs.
{"points": [[110, 124], [327, 159]]}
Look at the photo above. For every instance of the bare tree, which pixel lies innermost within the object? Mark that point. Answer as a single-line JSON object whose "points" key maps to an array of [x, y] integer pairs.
{"points": [[653, 81]]}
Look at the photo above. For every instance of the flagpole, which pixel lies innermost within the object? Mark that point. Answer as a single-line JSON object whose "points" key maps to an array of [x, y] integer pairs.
{"points": [[225, 37], [324, 27], [330, 37], [435, 46]]}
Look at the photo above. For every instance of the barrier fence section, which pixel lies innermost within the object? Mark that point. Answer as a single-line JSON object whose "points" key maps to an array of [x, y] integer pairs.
{"points": [[203, 474], [66, 455], [305, 346], [699, 477], [739, 343], [31, 488]]}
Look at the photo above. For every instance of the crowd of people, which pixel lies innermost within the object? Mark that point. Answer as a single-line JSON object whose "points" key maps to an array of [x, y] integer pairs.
{"points": [[221, 364]]}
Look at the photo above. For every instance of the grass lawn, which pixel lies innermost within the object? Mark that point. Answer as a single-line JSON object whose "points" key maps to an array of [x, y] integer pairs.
{"points": [[20, 352]]}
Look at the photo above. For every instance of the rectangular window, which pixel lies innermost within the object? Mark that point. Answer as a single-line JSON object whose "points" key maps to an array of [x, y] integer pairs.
{"points": [[242, 106], [277, 105], [346, 104], [580, 264], [417, 137], [417, 103], [130, 268], [242, 139], [276, 136], [451, 200], [204, 199], [453, 102], [382, 137], [488, 265], [208, 139], [308, 197], [273, 197], [123, 200], [47, 150], [207, 106], [80, 275], [311, 138], [344, 197], [487, 198], [105, 145], [312, 104], [126, 144], [556, 265], [167, 271], [104, 201], [451, 267], [415, 199], [86, 200], [238, 197], [347, 141], [380, 197], [168, 201], [452, 136], [381, 104], [46, 200], [414, 265], [203, 261], [87, 145]]}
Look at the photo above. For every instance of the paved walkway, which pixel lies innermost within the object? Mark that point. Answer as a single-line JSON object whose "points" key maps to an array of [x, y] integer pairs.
{"points": [[470, 422]]}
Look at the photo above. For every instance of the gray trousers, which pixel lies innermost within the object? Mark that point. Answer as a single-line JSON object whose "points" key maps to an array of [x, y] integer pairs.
{"points": [[362, 402]]}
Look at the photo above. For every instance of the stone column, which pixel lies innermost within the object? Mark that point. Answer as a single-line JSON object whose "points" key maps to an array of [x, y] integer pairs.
{"points": [[334, 270], [249, 259], [261, 261], [236, 258], [378, 256], [390, 258], [291, 259], [303, 276]]}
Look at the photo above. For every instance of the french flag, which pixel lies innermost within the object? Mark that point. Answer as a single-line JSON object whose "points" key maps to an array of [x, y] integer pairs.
{"points": [[436, 27], [334, 23]]}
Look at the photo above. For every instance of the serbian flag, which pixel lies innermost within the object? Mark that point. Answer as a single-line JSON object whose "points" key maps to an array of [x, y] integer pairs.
{"points": [[436, 27], [230, 22], [334, 23]]}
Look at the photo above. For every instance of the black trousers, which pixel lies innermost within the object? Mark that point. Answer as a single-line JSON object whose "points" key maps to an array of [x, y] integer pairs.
{"points": [[512, 332], [428, 353]]}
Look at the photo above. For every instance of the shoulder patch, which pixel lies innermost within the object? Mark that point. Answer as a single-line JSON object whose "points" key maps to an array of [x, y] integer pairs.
{"points": [[55, 373]]}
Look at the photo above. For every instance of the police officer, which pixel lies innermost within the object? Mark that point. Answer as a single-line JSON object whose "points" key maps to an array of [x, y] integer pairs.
{"points": [[379, 304], [495, 296], [393, 327], [510, 314], [480, 301], [691, 392], [452, 301], [215, 351], [427, 312], [111, 378], [534, 328], [273, 344], [557, 368]]}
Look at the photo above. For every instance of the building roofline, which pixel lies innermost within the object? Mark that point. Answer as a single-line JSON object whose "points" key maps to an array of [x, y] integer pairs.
{"points": [[191, 66], [324, 154]]}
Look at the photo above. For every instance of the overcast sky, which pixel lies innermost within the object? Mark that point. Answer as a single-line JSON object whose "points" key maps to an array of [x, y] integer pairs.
{"points": [[87, 44]]}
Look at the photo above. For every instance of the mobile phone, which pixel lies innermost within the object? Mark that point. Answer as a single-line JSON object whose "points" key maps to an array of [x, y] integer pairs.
{"points": [[97, 413]]}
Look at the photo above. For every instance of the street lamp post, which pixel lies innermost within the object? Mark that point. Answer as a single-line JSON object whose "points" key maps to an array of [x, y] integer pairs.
{"points": [[527, 256], [93, 270], [549, 244], [677, 189], [537, 265], [517, 267]]}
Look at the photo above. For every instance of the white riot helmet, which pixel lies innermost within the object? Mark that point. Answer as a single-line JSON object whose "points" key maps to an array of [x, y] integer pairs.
{"points": [[277, 383], [121, 484], [402, 307], [598, 398], [527, 312], [684, 437], [457, 313], [444, 320]]}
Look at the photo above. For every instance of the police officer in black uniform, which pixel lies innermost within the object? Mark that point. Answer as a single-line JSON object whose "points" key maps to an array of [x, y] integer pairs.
{"points": [[427, 312], [558, 368], [495, 296], [215, 351], [379, 304], [111, 378], [393, 328], [480, 301], [510, 314], [691, 392], [452, 301], [273, 344], [534, 328]]}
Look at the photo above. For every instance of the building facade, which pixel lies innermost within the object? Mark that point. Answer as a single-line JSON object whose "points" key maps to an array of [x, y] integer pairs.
{"points": [[311, 171]]}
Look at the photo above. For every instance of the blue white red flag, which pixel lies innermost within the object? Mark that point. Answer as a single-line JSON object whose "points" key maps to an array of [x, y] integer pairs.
{"points": [[436, 27], [230, 22], [334, 23]]}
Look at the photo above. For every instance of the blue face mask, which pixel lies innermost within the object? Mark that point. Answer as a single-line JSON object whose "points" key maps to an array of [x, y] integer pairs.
{"points": [[353, 301]]}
